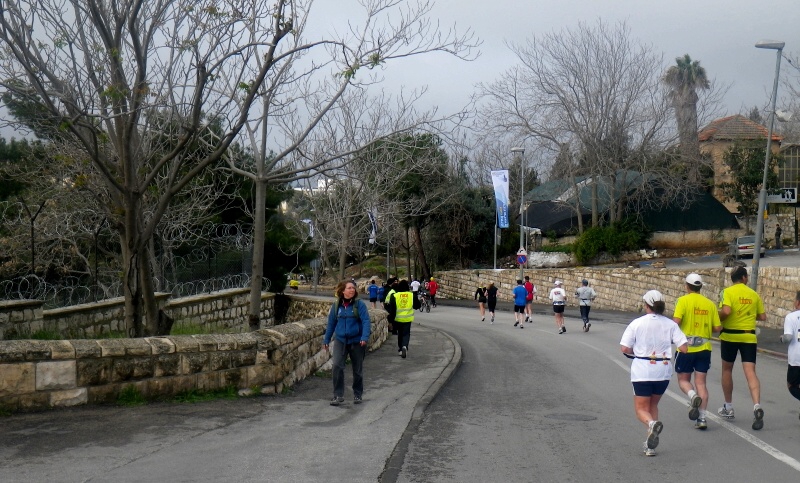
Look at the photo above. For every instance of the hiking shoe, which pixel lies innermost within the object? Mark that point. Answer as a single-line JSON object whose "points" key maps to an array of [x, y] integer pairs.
{"points": [[700, 423], [652, 434], [694, 405], [357, 400], [725, 413], [516, 323], [758, 418], [648, 451], [337, 400], [403, 352]]}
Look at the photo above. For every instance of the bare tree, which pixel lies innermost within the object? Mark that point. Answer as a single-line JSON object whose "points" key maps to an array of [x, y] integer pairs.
{"points": [[596, 90], [136, 85]]}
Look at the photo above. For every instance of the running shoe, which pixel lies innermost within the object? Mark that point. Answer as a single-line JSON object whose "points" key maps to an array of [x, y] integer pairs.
{"points": [[483, 319], [758, 417], [337, 400], [648, 451], [725, 413], [652, 434], [701, 423], [357, 400], [516, 323], [585, 328], [403, 352], [694, 407], [492, 321]]}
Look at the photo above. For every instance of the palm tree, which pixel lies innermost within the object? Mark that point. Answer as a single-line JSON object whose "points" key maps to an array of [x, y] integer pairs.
{"points": [[684, 79]]}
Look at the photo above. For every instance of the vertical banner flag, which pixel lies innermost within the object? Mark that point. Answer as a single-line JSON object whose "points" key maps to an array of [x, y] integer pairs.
{"points": [[373, 221], [500, 182], [310, 227]]}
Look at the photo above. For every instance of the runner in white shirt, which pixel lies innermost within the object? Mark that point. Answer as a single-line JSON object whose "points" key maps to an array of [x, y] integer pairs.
{"points": [[648, 341], [559, 297], [791, 336]]}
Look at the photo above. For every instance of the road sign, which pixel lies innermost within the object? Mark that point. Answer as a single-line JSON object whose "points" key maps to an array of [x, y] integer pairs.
{"points": [[522, 251], [782, 195], [521, 259]]}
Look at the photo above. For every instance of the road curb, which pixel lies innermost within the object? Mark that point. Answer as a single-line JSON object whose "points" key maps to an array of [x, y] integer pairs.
{"points": [[394, 463]]}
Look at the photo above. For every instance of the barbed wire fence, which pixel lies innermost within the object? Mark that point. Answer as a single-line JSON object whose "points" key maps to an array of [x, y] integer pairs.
{"points": [[191, 261]]}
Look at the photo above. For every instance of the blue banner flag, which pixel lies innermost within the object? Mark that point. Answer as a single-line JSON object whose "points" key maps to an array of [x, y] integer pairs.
{"points": [[500, 182]]}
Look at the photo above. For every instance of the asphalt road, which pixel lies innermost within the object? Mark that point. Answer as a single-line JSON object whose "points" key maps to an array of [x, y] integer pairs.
{"points": [[532, 405]]}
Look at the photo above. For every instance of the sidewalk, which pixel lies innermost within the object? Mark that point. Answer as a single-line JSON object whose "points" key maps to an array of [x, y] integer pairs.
{"points": [[768, 338]]}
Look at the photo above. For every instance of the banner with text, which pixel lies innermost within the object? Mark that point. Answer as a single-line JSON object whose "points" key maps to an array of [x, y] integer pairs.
{"points": [[500, 182]]}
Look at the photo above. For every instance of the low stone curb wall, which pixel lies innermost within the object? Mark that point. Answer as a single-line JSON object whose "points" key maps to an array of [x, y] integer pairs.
{"points": [[42, 374], [622, 288]]}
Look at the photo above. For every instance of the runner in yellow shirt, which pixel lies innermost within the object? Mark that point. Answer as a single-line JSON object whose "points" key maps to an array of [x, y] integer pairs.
{"points": [[740, 307], [698, 319]]}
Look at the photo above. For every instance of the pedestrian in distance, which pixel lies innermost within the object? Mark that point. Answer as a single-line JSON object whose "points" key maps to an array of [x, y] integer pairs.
{"points": [[531, 288], [480, 296], [414, 285], [520, 294], [391, 288], [648, 341], [349, 320], [778, 233], [559, 298], [491, 300], [401, 308], [698, 319], [739, 310], [373, 288], [433, 288], [586, 295], [382, 293], [791, 336]]}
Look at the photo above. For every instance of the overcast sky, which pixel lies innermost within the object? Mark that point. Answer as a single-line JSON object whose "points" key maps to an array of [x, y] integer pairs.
{"points": [[721, 34]]}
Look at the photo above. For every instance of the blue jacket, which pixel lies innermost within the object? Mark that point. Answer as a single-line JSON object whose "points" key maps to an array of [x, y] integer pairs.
{"points": [[373, 291], [347, 326], [520, 294]]}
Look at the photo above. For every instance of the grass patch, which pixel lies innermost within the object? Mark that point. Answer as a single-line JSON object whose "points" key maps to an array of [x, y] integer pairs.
{"points": [[195, 395], [131, 396], [195, 330], [119, 334], [324, 374], [5, 412]]}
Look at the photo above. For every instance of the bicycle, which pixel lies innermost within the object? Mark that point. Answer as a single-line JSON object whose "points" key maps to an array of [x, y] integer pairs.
{"points": [[424, 301]]}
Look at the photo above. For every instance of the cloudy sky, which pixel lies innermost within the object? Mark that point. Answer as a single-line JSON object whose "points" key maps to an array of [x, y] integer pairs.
{"points": [[721, 34]]}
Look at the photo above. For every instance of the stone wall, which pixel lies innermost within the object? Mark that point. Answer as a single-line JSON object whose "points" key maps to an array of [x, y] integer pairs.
{"points": [[622, 288], [223, 311], [41, 374]]}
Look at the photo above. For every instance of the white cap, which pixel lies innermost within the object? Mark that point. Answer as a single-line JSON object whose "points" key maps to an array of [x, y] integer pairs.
{"points": [[557, 282], [694, 279], [653, 296]]}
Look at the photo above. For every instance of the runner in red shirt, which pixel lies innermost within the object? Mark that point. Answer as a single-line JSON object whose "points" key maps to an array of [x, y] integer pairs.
{"points": [[433, 287]]}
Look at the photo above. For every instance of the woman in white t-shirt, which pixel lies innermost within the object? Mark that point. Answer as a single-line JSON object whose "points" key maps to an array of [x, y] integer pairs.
{"points": [[648, 341]]}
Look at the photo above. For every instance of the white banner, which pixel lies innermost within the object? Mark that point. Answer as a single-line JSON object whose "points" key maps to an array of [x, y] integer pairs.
{"points": [[500, 182]]}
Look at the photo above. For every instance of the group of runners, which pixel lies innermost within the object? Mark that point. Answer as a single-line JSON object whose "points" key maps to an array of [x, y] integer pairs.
{"points": [[648, 340]]}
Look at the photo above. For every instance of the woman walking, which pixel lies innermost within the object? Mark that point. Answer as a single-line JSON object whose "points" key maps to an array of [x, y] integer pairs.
{"points": [[349, 319], [648, 341], [491, 300], [480, 296]]}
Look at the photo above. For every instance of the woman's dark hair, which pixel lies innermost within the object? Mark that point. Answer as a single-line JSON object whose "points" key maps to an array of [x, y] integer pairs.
{"points": [[658, 307], [402, 286]]}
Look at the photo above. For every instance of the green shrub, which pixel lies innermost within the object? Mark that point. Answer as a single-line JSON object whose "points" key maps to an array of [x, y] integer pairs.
{"points": [[130, 396], [568, 248], [196, 395], [626, 235]]}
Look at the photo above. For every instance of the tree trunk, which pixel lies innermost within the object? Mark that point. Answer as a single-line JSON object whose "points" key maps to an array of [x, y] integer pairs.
{"points": [[426, 271], [343, 247], [595, 215], [408, 256], [257, 267]]}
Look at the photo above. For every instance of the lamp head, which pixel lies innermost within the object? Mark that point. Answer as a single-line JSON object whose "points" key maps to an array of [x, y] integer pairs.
{"points": [[770, 44], [518, 150]]}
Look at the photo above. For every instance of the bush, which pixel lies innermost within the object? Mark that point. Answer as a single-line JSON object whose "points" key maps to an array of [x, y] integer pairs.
{"points": [[623, 236]]}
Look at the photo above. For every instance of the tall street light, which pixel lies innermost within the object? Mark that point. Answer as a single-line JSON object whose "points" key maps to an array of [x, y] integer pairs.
{"points": [[520, 152], [762, 194]]}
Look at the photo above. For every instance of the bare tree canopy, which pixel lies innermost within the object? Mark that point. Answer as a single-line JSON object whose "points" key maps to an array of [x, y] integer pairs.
{"points": [[134, 86]]}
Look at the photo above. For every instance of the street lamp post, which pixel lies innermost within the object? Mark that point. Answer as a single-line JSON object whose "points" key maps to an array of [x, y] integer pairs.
{"points": [[520, 152], [762, 194]]}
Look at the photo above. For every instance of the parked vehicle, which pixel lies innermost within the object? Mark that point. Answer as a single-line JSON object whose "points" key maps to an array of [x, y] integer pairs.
{"points": [[744, 245]]}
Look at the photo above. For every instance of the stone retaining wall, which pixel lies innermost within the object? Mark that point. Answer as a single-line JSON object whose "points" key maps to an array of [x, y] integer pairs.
{"points": [[622, 288], [41, 374], [223, 311]]}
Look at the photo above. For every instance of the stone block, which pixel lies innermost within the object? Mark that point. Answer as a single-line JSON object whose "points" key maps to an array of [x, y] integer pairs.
{"points": [[167, 365], [55, 375], [93, 372], [122, 369], [185, 343], [17, 379], [205, 342], [208, 381], [267, 357], [112, 347], [193, 363], [12, 351], [62, 349], [243, 358], [33, 400], [69, 397], [219, 361], [87, 349], [107, 393], [143, 367], [160, 345], [232, 377]]}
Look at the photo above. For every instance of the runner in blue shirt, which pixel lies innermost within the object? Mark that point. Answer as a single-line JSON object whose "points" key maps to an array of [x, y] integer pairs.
{"points": [[520, 294], [373, 294]]}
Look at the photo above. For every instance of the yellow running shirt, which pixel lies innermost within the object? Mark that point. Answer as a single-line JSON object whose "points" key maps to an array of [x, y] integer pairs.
{"points": [[698, 318], [745, 306]]}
